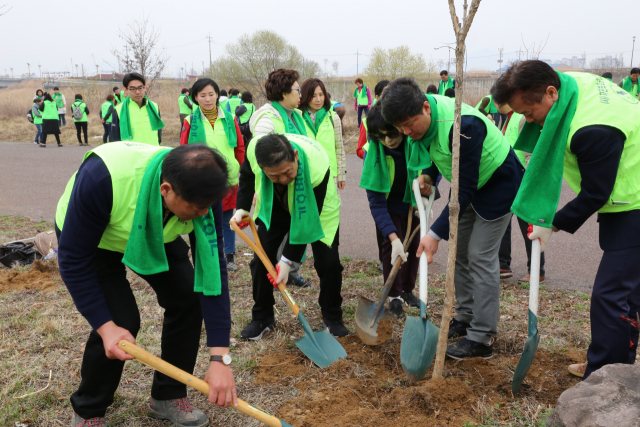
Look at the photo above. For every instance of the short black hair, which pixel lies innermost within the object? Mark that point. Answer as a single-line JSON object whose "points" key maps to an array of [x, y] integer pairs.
{"points": [[115, 88], [444, 73], [607, 75], [39, 90], [234, 92], [377, 91], [199, 86], [247, 97], [184, 90], [56, 88], [432, 89], [451, 92], [78, 96], [223, 92], [128, 78], [530, 79], [402, 99], [273, 149], [376, 123], [46, 97], [634, 71], [197, 173]]}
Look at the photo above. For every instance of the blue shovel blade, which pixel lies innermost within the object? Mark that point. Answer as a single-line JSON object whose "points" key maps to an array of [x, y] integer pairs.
{"points": [[321, 347], [418, 347], [527, 355], [285, 424]]}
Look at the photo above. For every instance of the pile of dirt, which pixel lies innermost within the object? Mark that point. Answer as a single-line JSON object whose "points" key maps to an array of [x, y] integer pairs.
{"points": [[369, 387], [40, 277]]}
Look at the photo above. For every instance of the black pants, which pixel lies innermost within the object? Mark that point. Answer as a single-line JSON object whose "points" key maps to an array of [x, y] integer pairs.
{"points": [[83, 126], [180, 330], [504, 254], [105, 136], [406, 279], [326, 261], [379, 240], [616, 293], [44, 138], [362, 109]]}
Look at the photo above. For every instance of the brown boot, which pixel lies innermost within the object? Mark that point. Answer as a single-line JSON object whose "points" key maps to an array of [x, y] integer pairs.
{"points": [[527, 279], [505, 273], [578, 369]]}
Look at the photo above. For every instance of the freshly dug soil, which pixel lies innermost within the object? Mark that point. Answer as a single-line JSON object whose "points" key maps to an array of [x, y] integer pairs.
{"points": [[370, 387], [40, 277]]}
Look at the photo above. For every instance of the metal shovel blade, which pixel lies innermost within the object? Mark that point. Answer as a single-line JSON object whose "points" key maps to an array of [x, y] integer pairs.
{"points": [[418, 347], [527, 355], [367, 326], [321, 347]]}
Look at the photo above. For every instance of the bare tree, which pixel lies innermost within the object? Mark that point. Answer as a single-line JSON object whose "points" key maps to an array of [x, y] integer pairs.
{"points": [[533, 51], [454, 204], [142, 53], [607, 63]]}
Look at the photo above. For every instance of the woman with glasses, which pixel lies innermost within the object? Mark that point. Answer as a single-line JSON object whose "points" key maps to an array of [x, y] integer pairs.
{"points": [[323, 125]]}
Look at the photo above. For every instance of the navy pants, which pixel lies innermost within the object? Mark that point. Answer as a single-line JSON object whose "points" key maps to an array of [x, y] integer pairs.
{"points": [[616, 293], [362, 109]]}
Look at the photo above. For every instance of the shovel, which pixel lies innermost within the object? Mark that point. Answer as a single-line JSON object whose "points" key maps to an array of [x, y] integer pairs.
{"points": [[368, 313], [420, 336], [321, 347], [177, 374], [534, 338]]}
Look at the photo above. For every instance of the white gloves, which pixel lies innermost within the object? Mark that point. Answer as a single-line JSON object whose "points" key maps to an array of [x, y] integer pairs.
{"points": [[240, 213], [397, 250], [283, 273], [542, 233]]}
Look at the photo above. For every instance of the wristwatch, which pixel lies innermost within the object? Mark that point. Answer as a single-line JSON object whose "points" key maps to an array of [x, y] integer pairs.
{"points": [[225, 358]]}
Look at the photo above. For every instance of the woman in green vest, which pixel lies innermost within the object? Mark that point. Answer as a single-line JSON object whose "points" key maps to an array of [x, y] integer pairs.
{"points": [[185, 105], [61, 103], [50, 119], [583, 128], [323, 125], [233, 102], [362, 97], [280, 114], [291, 176], [217, 128], [106, 112], [83, 122], [37, 119], [247, 101]]}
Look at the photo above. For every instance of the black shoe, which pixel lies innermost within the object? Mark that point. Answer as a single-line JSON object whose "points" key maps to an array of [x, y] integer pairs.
{"points": [[231, 265], [42, 145], [458, 329], [410, 299], [336, 328], [256, 328], [299, 282], [466, 349], [60, 145], [395, 307]]}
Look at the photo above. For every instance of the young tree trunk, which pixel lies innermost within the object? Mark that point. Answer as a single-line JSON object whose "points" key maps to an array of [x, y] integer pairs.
{"points": [[454, 203]]}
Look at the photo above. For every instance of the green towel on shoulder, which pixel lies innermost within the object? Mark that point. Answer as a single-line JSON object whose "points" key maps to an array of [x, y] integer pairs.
{"points": [[289, 126], [320, 115], [125, 120], [539, 194], [627, 85], [375, 174], [197, 133], [145, 253]]}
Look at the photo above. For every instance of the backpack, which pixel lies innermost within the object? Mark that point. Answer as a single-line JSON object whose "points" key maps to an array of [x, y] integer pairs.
{"points": [[77, 112], [29, 115]]}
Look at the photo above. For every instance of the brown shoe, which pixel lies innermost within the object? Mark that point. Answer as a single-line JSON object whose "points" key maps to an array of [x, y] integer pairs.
{"points": [[527, 279], [578, 369], [505, 273]]}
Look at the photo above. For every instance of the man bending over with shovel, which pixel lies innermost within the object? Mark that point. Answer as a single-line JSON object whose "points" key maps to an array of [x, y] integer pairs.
{"points": [[295, 194], [137, 200], [490, 174]]}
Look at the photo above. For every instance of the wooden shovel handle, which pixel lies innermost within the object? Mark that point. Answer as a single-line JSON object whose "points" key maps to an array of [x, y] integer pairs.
{"points": [[257, 248], [168, 369]]}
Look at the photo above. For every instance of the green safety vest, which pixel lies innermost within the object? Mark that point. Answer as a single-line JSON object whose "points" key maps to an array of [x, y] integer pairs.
{"points": [[246, 116], [217, 139], [495, 147], [104, 109], [443, 86], [333, 105], [601, 102], [635, 87], [57, 97], [140, 126], [512, 133], [232, 103], [318, 165], [492, 106], [36, 120], [50, 111], [126, 162], [119, 97], [83, 107], [184, 108], [363, 99], [327, 139], [278, 124], [365, 147]]}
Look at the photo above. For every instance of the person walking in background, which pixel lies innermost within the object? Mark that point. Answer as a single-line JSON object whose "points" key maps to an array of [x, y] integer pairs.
{"points": [[61, 103], [432, 90], [233, 102], [118, 96], [247, 101], [37, 119], [217, 128], [338, 108], [363, 138], [184, 104], [106, 111], [445, 83], [362, 97], [79, 113], [50, 119], [223, 98], [630, 83]]}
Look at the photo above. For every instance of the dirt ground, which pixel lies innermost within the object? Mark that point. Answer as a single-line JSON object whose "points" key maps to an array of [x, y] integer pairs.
{"points": [[42, 276]]}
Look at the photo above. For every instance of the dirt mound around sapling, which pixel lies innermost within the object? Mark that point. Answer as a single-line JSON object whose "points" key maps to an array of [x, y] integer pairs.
{"points": [[40, 277]]}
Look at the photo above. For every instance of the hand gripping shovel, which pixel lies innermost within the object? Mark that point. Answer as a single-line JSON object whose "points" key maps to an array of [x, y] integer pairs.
{"points": [[368, 313], [420, 336], [177, 374], [321, 347], [534, 338]]}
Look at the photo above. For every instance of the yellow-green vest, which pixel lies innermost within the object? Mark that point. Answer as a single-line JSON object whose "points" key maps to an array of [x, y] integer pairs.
{"points": [[57, 97], [247, 115], [495, 148], [443, 86], [50, 111], [119, 97], [513, 132], [83, 107], [232, 103], [318, 165], [104, 109], [492, 107], [184, 108], [365, 147], [140, 126], [327, 138], [126, 162], [363, 99], [601, 102], [36, 120], [278, 123], [217, 139]]}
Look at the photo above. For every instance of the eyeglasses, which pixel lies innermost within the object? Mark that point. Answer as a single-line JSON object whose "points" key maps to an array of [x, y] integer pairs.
{"points": [[391, 134], [298, 90], [135, 89]]}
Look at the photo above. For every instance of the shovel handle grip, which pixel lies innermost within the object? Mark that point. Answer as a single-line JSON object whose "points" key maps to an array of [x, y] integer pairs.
{"points": [[257, 248], [177, 374]]}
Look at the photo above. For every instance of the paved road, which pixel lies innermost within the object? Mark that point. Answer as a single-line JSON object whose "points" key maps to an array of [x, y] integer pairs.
{"points": [[32, 179]]}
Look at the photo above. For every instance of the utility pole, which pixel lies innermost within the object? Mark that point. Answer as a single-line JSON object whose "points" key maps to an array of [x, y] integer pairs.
{"points": [[519, 52], [500, 60], [40, 68], [12, 73], [82, 70], [209, 37], [98, 72], [185, 71], [77, 73], [203, 68], [29, 66], [357, 62], [632, 50]]}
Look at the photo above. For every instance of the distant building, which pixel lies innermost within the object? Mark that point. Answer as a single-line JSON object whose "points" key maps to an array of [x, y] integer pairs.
{"points": [[573, 62]]}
